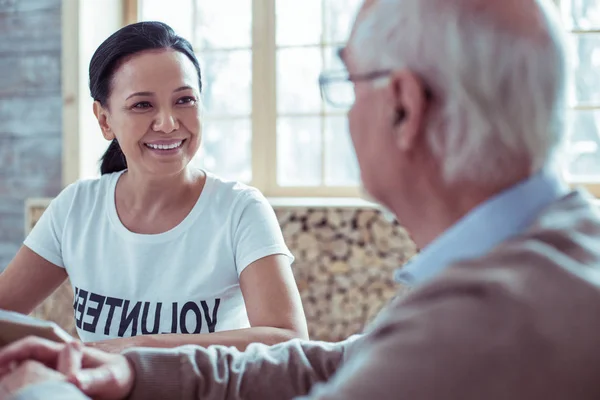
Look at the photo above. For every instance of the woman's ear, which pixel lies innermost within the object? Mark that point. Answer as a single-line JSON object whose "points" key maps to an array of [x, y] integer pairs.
{"points": [[103, 120]]}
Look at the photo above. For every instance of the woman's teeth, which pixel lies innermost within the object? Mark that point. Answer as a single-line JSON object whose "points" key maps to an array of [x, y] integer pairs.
{"points": [[164, 146]]}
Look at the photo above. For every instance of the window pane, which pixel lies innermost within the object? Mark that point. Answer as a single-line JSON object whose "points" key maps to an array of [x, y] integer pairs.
{"points": [[341, 167], [179, 17], [587, 68], [227, 82], [581, 14], [298, 80], [226, 149], [584, 146], [298, 22], [223, 24], [339, 17], [299, 151]]}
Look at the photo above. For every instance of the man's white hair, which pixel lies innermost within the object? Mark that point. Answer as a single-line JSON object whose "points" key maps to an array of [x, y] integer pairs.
{"points": [[499, 94]]}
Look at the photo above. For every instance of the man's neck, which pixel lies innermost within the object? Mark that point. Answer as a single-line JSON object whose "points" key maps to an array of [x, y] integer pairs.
{"points": [[434, 209]]}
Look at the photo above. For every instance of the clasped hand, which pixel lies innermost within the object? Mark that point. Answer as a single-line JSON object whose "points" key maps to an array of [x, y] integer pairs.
{"points": [[34, 361]]}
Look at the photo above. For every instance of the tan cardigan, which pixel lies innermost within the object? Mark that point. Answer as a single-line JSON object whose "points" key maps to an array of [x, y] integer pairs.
{"points": [[523, 322]]}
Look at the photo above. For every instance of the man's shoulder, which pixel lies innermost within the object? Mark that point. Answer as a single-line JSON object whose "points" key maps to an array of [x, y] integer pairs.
{"points": [[531, 283], [569, 212], [563, 239], [560, 250], [541, 275], [521, 294], [492, 321]]}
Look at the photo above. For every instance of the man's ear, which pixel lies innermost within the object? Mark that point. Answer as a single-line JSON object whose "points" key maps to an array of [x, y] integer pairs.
{"points": [[103, 120], [408, 94]]}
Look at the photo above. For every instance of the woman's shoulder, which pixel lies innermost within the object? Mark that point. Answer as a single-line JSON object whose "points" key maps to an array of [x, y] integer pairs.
{"points": [[85, 190], [232, 192]]}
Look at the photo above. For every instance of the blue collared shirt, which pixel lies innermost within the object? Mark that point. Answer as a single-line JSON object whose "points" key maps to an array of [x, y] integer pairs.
{"points": [[492, 222]]}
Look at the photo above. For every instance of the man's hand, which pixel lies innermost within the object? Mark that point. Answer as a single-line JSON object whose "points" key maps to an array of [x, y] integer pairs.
{"points": [[97, 374], [26, 374], [15, 376]]}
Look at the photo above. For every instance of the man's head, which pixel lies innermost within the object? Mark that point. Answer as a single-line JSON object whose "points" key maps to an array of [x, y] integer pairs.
{"points": [[471, 97]]}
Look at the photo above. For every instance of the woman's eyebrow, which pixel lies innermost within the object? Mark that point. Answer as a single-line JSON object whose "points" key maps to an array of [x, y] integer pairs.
{"points": [[139, 94], [146, 94], [186, 87]]}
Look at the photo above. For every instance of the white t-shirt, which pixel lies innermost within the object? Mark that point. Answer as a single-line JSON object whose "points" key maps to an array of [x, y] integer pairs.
{"points": [[185, 280]]}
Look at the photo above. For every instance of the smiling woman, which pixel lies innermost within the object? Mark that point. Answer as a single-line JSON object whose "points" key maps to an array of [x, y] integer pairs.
{"points": [[159, 87], [153, 230]]}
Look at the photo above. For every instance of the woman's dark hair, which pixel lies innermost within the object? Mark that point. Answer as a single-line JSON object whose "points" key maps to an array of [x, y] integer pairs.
{"points": [[122, 44]]}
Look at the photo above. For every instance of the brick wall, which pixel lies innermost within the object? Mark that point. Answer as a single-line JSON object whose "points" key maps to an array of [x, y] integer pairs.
{"points": [[30, 112]]}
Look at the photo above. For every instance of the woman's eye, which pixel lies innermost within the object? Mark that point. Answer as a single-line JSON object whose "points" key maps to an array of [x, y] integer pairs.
{"points": [[142, 105], [187, 100]]}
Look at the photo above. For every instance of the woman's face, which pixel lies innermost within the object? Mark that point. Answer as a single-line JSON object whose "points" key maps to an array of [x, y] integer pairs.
{"points": [[154, 112]]}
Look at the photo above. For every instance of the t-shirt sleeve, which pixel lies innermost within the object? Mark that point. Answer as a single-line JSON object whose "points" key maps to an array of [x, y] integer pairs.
{"points": [[256, 231], [46, 236]]}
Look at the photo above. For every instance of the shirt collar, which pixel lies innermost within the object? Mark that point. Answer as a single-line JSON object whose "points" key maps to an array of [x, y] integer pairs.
{"points": [[492, 222]]}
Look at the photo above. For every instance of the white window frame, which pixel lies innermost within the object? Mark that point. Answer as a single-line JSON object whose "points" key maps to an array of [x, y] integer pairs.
{"points": [[84, 24], [264, 120], [592, 187]]}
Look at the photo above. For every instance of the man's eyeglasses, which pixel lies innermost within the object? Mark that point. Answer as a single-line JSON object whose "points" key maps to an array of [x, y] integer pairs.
{"points": [[337, 87]]}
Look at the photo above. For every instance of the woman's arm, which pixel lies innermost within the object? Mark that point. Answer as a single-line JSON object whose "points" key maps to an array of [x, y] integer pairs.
{"points": [[274, 310], [27, 281], [272, 298], [38, 268]]}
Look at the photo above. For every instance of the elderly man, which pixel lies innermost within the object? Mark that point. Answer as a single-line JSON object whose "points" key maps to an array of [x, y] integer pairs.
{"points": [[458, 108]]}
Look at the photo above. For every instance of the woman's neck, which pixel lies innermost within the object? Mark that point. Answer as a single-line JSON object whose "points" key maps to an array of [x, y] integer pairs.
{"points": [[139, 191]]}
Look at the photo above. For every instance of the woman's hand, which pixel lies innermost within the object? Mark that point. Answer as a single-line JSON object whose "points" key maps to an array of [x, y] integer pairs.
{"points": [[115, 346], [97, 374]]}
